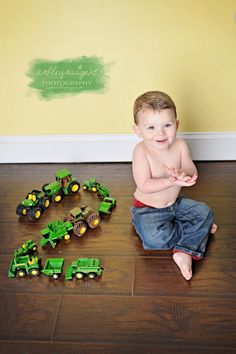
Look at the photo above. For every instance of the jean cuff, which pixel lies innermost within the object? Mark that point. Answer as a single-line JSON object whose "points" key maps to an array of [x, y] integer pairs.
{"points": [[195, 255]]}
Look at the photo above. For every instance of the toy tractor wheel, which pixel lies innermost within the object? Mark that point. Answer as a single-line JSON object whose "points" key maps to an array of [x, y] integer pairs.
{"points": [[79, 275], [34, 272], [35, 213], [80, 228], [44, 186], [85, 187], [57, 197], [20, 210], [94, 189], [44, 203], [93, 220], [55, 276], [91, 275], [67, 237], [21, 273], [74, 187]]}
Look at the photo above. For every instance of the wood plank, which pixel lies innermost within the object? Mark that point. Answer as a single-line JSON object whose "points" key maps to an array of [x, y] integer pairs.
{"points": [[211, 277], [104, 348], [147, 320], [28, 316]]}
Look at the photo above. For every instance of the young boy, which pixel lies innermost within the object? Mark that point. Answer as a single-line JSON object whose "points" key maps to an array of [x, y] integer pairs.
{"points": [[161, 166]]}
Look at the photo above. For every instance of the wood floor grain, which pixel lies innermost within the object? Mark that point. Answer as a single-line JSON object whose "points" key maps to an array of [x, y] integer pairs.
{"points": [[141, 304]]}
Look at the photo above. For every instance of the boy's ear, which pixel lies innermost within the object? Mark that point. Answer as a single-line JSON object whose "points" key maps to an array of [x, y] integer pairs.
{"points": [[136, 130]]}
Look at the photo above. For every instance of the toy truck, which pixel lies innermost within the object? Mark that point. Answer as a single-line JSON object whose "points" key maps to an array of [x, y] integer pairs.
{"points": [[90, 267], [53, 267], [107, 205], [81, 218], [33, 205], [65, 184], [55, 231], [93, 185], [25, 261]]}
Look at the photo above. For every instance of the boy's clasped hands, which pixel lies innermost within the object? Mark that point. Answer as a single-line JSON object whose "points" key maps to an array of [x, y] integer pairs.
{"points": [[180, 178]]}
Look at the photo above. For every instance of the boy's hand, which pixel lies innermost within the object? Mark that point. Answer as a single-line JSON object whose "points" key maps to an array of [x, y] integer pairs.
{"points": [[187, 181], [180, 178]]}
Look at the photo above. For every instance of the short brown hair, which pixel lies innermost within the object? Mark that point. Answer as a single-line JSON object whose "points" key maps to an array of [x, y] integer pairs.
{"points": [[155, 100]]}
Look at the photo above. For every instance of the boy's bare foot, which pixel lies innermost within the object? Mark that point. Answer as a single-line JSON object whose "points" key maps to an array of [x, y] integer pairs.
{"points": [[213, 229], [184, 262]]}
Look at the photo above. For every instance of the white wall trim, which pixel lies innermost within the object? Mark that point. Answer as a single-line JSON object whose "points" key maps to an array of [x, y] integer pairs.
{"points": [[106, 147]]}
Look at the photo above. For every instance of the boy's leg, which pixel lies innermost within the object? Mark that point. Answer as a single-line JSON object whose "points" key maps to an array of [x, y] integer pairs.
{"points": [[156, 227], [196, 221]]}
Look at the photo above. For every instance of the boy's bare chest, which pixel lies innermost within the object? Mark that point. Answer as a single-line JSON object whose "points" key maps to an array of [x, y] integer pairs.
{"points": [[159, 163]]}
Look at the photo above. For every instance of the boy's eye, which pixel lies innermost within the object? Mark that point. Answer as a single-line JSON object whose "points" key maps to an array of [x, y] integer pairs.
{"points": [[151, 127], [168, 125]]}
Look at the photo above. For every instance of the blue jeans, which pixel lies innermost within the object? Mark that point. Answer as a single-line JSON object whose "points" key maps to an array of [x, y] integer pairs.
{"points": [[183, 226]]}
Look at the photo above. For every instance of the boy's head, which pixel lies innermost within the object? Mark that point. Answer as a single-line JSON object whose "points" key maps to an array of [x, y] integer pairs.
{"points": [[154, 100]]}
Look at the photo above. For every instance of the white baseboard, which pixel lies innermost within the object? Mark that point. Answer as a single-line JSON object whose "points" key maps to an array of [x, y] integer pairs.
{"points": [[106, 148]]}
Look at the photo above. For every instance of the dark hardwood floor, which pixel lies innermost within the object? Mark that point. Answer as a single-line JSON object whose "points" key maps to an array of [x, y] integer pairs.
{"points": [[141, 304]]}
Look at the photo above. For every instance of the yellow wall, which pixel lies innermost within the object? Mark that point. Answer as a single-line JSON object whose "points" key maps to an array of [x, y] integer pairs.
{"points": [[184, 47]]}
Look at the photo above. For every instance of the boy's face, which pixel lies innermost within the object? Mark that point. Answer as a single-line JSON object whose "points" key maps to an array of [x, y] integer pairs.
{"points": [[157, 129]]}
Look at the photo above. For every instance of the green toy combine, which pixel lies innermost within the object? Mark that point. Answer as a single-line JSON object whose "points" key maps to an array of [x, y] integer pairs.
{"points": [[65, 184], [54, 232]]}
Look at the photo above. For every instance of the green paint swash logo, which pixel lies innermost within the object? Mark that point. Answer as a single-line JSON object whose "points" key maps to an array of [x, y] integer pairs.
{"points": [[57, 79]]}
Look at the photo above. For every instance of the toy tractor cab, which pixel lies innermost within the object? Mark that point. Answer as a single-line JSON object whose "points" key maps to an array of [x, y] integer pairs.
{"points": [[65, 184], [33, 205]]}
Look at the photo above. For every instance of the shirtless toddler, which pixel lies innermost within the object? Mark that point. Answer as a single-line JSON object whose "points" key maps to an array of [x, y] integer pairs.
{"points": [[161, 166]]}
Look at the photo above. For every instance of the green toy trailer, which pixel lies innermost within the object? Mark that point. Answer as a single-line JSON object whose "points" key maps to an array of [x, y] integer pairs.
{"points": [[53, 267], [107, 205], [33, 205], [65, 184], [81, 218], [55, 231], [93, 185], [90, 267]]}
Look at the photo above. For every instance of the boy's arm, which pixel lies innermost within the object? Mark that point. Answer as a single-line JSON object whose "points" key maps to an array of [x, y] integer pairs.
{"points": [[142, 174], [187, 164], [187, 171]]}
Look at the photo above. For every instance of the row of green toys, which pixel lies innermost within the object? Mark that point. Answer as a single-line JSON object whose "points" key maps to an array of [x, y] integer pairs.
{"points": [[26, 261], [37, 201]]}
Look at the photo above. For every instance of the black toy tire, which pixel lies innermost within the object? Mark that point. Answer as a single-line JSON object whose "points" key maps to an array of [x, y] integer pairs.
{"points": [[35, 213]]}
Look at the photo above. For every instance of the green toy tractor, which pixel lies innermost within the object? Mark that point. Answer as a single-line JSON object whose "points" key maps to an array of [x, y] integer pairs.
{"points": [[93, 185], [82, 218], [55, 231], [33, 205], [65, 184], [90, 267], [25, 261]]}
